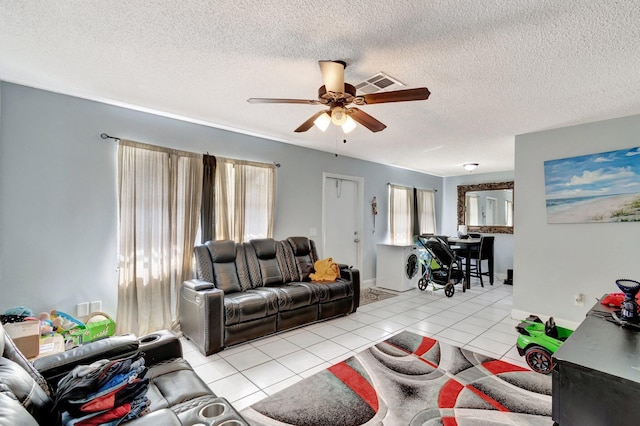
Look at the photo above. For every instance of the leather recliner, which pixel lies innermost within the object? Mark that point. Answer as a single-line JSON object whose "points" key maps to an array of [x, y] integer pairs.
{"points": [[177, 395], [249, 290]]}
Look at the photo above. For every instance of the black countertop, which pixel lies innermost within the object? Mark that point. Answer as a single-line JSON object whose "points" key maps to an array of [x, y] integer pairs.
{"points": [[601, 345]]}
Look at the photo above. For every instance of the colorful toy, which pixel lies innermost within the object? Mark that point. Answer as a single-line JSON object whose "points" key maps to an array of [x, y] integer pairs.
{"points": [[538, 341], [49, 326], [97, 326], [21, 311]]}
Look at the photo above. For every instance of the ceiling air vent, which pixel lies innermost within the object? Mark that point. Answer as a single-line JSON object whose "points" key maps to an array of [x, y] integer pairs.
{"points": [[378, 83]]}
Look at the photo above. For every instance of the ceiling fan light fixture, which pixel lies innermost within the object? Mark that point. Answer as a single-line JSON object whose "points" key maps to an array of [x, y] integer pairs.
{"points": [[338, 116], [470, 166], [322, 122], [349, 125]]}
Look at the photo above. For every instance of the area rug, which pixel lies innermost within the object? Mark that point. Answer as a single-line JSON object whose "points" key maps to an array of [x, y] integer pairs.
{"points": [[370, 295], [411, 380]]}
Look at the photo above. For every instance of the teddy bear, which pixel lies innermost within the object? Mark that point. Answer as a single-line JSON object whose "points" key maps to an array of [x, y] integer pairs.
{"points": [[49, 326]]}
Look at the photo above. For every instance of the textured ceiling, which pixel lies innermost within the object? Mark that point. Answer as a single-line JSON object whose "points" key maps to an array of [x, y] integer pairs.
{"points": [[495, 68]]}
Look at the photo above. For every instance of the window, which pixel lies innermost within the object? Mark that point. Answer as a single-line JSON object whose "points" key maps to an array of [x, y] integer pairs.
{"points": [[426, 210], [508, 213], [400, 214], [245, 199]]}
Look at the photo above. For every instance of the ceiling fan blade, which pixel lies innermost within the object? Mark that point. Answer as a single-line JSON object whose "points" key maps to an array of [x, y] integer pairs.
{"points": [[333, 75], [366, 120], [282, 101], [309, 123], [418, 94]]}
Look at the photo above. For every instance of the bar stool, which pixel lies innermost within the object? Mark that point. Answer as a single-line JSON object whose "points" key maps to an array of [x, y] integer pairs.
{"points": [[485, 252]]}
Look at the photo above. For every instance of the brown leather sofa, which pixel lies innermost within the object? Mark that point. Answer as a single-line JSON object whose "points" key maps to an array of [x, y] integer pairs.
{"points": [[177, 395], [249, 290]]}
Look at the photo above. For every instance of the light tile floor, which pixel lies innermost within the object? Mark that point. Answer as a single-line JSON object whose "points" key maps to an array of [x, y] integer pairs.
{"points": [[478, 319]]}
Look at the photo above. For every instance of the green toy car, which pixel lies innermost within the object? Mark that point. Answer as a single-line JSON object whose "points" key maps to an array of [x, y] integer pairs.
{"points": [[538, 341]]}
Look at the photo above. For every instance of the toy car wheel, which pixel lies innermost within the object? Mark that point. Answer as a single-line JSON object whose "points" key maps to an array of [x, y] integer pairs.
{"points": [[539, 359], [422, 284], [449, 289]]}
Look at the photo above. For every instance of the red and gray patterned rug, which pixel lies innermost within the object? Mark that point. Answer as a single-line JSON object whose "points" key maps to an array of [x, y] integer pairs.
{"points": [[412, 380]]}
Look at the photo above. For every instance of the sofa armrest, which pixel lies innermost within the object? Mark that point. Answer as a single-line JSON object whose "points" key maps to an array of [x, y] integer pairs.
{"points": [[202, 315], [353, 276], [54, 367], [160, 346], [198, 285]]}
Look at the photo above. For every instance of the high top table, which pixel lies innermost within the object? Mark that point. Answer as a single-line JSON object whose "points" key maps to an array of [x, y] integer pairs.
{"points": [[467, 244]]}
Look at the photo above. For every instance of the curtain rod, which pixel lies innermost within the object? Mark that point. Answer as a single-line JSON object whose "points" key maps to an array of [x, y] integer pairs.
{"points": [[106, 136], [397, 184]]}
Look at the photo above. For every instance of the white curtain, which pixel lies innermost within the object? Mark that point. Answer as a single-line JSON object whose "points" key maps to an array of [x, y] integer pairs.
{"points": [[400, 214], [159, 194], [426, 207], [245, 199]]}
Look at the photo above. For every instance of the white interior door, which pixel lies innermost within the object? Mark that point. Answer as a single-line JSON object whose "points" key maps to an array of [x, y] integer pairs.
{"points": [[342, 218]]}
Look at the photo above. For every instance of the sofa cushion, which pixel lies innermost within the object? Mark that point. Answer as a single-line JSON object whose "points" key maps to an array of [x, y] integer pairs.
{"points": [[225, 273], [174, 382], [265, 248], [293, 295], [14, 378], [222, 251], [249, 305], [333, 291], [263, 262], [243, 268], [285, 267], [303, 256], [12, 413], [204, 268], [11, 351]]}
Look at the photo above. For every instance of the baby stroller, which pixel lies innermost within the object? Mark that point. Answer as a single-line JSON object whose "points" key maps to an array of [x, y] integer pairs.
{"points": [[443, 268]]}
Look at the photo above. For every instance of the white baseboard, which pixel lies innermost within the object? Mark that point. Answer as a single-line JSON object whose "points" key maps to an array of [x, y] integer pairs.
{"points": [[368, 283]]}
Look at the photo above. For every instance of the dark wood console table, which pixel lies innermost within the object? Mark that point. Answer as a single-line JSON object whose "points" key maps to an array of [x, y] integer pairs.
{"points": [[596, 379]]}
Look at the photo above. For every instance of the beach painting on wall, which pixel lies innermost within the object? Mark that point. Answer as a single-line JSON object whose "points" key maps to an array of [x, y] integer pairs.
{"points": [[594, 188]]}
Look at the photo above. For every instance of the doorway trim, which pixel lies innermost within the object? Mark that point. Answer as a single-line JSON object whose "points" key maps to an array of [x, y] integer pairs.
{"points": [[359, 210]]}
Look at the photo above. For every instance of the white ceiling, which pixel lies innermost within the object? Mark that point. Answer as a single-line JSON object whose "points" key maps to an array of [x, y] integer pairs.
{"points": [[495, 68]]}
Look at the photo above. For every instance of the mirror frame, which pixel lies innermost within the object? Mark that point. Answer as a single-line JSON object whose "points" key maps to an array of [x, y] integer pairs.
{"points": [[462, 196]]}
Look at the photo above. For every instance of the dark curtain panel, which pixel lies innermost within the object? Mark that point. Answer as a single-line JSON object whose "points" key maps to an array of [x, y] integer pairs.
{"points": [[415, 217], [207, 212]]}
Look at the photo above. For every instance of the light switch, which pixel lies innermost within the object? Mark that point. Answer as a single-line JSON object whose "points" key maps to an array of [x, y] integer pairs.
{"points": [[313, 232], [82, 309], [95, 306]]}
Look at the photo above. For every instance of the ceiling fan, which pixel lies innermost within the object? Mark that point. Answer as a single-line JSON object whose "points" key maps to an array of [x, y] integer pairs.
{"points": [[337, 95]]}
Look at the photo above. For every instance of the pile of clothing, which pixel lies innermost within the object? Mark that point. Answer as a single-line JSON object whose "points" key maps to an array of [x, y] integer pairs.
{"points": [[104, 393]]}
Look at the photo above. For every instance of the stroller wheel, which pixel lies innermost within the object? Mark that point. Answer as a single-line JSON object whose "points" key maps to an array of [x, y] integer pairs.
{"points": [[449, 289], [422, 284]]}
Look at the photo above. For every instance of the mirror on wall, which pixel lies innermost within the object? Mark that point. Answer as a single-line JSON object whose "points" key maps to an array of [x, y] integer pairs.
{"points": [[486, 207]]}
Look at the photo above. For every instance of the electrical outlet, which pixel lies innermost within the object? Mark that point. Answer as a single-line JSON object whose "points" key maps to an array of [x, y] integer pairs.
{"points": [[579, 299], [95, 306], [82, 309]]}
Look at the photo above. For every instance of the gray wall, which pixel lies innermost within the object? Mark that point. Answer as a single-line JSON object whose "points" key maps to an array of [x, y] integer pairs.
{"points": [[503, 244], [553, 262], [58, 192]]}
